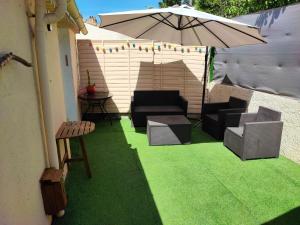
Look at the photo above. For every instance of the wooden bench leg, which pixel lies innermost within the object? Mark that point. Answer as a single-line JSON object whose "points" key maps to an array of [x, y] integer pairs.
{"points": [[85, 158], [58, 153], [66, 152]]}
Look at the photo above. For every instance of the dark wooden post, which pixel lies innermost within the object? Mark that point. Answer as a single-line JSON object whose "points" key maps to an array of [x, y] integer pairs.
{"points": [[205, 81]]}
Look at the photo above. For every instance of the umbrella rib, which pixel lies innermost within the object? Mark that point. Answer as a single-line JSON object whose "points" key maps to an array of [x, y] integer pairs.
{"points": [[152, 26], [124, 21], [168, 21], [190, 22], [179, 22], [172, 26], [198, 38], [196, 25], [243, 32], [213, 34]]}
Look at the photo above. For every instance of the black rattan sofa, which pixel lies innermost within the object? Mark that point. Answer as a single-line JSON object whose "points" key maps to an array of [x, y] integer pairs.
{"points": [[217, 116], [148, 103]]}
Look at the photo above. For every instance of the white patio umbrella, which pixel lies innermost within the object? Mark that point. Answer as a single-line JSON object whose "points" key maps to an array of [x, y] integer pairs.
{"points": [[182, 25]]}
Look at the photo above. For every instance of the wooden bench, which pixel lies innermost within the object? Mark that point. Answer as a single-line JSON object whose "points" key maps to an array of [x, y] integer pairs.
{"points": [[73, 129]]}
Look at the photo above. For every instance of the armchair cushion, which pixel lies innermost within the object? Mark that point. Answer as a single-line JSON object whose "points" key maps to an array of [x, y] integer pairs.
{"points": [[210, 108], [213, 117], [247, 117], [223, 113], [265, 114], [237, 103], [237, 131]]}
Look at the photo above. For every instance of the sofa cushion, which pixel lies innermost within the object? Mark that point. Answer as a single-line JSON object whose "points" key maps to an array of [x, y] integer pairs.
{"points": [[165, 97], [159, 108]]}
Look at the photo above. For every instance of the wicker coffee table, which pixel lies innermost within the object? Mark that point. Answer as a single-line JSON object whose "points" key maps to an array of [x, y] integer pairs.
{"points": [[168, 130]]}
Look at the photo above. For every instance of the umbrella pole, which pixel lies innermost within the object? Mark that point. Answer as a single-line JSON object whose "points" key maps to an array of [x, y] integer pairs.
{"points": [[204, 88]]}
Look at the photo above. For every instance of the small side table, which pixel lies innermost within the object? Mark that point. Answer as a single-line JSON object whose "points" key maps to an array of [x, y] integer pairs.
{"points": [[99, 100], [74, 129]]}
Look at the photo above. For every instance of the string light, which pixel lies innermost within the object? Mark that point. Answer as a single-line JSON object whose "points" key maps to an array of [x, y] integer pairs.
{"points": [[148, 48]]}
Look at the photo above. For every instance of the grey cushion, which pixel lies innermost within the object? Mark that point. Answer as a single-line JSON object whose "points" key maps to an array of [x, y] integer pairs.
{"points": [[237, 130], [265, 114], [160, 108]]}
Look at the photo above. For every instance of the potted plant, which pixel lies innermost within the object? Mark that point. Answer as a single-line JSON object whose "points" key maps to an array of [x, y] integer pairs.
{"points": [[90, 88]]}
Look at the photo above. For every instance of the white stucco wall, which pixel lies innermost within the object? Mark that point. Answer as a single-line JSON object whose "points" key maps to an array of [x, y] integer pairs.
{"points": [[67, 49], [75, 69], [22, 151], [55, 77], [290, 108], [22, 158]]}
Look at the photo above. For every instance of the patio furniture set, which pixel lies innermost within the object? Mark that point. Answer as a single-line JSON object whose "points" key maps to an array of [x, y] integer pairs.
{"points": [[248, 135], [164, 113]]}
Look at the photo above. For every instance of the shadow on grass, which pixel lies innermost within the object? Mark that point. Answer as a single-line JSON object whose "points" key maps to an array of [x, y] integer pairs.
{"points": [[291, 217], [118, 192]]}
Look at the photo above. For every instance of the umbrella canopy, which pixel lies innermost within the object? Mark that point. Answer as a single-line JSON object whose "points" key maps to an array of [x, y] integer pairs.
{"points": [[182, 25]]}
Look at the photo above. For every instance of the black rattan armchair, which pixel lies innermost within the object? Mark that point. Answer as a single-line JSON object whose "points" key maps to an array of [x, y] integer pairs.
{"points": [[217, 116]]}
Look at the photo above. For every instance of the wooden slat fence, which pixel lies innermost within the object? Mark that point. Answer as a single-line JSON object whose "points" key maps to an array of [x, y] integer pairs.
{"points": [[121, 69]]}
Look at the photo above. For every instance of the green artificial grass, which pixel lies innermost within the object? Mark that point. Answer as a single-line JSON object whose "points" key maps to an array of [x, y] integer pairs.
{"points": [[202, 183]]}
